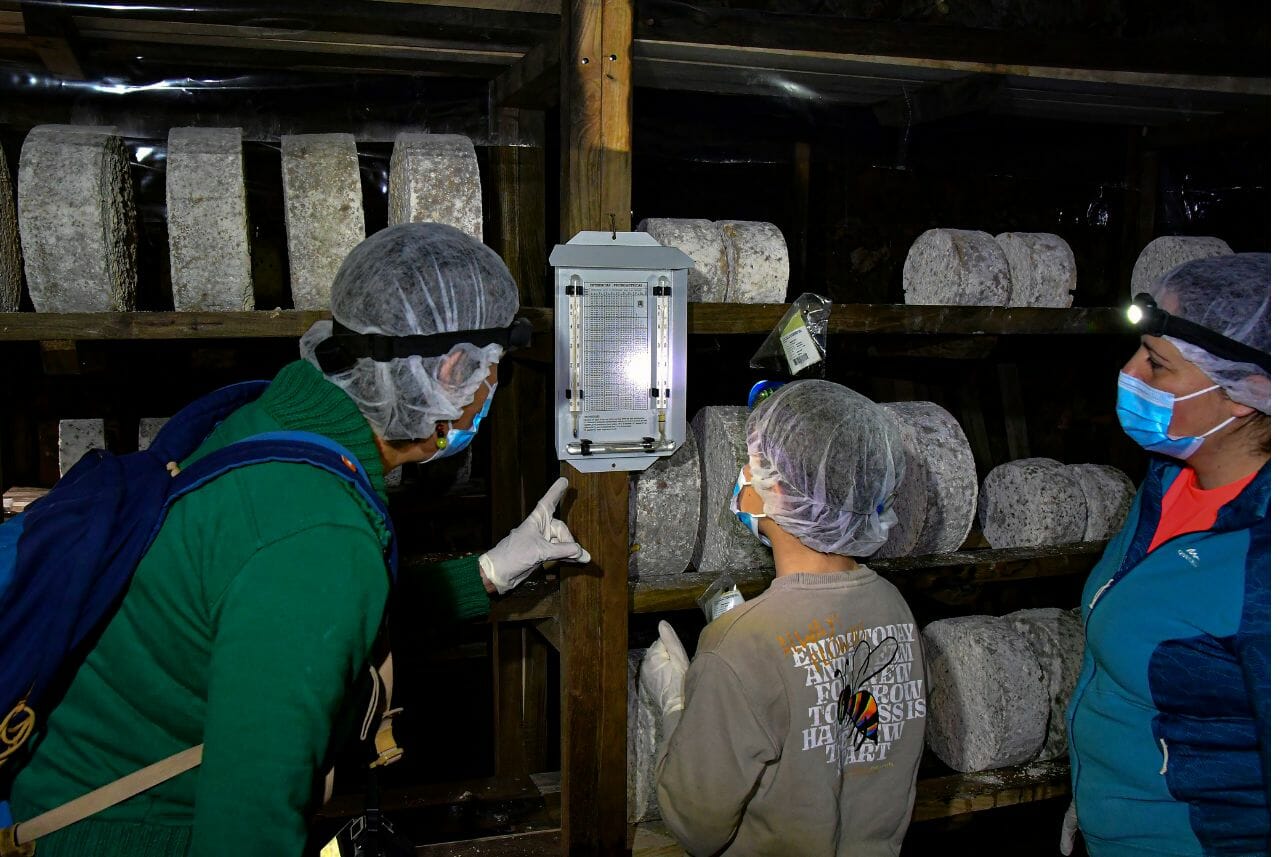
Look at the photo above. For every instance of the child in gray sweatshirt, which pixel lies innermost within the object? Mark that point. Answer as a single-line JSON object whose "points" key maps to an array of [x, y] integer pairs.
{"points": [[799, 726]]}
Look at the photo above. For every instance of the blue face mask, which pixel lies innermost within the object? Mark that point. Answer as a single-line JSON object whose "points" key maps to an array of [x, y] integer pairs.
{"points": [[1145, 415], [459, 439], [750, 521]]}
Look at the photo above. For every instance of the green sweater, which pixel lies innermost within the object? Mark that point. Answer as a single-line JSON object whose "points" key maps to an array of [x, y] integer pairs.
{"points": [[245, 626]]}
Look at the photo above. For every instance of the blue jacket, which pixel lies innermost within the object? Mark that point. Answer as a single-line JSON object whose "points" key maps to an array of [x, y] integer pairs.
{"points": [[1170, 723]]}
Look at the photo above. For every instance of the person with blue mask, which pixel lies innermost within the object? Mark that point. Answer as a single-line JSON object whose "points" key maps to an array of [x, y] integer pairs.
{"points": [[799, 726], [1170, 724], [422, 313], [250, 623]]}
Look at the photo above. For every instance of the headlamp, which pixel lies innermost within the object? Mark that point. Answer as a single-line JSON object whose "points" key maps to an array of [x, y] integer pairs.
{"points": [[1148, 318], [340, 351]]}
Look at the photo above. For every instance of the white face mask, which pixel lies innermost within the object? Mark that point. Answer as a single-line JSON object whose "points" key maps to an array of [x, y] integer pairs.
{"points": [[749, 520]]}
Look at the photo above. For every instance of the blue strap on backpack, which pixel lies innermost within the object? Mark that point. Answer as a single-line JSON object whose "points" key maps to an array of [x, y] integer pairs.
{"points": [[66, 561]]}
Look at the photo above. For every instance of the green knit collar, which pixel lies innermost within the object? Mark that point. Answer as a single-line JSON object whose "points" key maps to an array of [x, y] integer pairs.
{"points": [[302, 399]]}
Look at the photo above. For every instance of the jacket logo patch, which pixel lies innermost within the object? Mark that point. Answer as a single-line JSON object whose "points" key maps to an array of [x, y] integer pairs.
{"points": [[1190, 555]]}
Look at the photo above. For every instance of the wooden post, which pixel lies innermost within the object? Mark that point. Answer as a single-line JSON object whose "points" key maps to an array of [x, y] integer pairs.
{"points": [[515, 200], [595, 87]]}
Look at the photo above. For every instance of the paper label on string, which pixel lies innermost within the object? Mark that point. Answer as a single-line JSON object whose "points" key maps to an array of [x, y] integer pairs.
{"points": [[798, 345], [332, 849]]}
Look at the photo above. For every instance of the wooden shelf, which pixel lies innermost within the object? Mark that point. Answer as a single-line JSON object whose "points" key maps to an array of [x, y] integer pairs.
{"points": [[937, 796], [706, 318], [259, 324], [859, 62], [540, 600]]}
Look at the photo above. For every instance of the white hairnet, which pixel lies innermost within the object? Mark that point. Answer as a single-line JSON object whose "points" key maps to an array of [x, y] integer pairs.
{"points": [[826, 461], [1232, 296], [417, 278]]}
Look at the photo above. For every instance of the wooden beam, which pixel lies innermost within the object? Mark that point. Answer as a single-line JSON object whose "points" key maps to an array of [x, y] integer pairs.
{"points": [[53, 37], [532, 82], [595, 179], [770, 37], [508, 700], [969, 94]]}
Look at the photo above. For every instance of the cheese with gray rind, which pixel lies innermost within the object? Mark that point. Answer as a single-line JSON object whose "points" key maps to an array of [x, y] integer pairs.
{"points": [[1108, 493], [911, 499], [324, 211], [148, 429], [962, 267], [644, 735], [1042, 269], [75, 438], [723, 543], [208, 216], [758, 264], [1057, 639], [10, 246], [950, 477], [704, 243], [1168, 252], [435, 178], [76, 219], [1031, 502], [988, 706], [665, 508]]}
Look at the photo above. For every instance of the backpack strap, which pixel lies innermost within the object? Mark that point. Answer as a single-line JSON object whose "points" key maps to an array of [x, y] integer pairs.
{"points": [[295, 447], [19, 839], [291, 447]]}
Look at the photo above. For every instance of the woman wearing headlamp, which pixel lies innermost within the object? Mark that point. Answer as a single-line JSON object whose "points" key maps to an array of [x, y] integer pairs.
{"points": [[1169, 726]]}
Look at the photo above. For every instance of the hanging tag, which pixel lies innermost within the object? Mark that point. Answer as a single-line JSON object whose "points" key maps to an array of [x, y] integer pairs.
{"points": [[798, 345]]}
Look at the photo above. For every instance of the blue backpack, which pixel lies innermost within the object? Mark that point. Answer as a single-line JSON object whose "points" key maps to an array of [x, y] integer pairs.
{"points": [[66, 561]]}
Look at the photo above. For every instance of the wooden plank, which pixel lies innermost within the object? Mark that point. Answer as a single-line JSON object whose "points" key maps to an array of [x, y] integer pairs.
{"points": [[913, 573], [486, 789], [762, 36], [921, 574], [704, 318], [267, 324], [445, 23], [900, 318], [540, 843], [508, 702], [960, 794], [595, 194], [17, 499]]}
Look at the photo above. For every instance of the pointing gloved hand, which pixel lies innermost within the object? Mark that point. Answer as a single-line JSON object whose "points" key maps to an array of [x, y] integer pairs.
{"points": [[1069, 828], [540, 538], [662, 673]]}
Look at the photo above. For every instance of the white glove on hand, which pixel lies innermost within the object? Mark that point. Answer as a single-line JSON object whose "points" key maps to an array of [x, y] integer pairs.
{"points": [[540, 538], [663, 669], [1069, 827]]}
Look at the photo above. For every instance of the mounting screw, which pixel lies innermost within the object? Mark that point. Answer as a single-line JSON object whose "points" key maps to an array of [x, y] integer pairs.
{"points": [[586, 60], [613, 57]]}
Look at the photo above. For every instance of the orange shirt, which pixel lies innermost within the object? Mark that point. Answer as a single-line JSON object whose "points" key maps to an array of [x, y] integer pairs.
{"points": [[1188, 508]]}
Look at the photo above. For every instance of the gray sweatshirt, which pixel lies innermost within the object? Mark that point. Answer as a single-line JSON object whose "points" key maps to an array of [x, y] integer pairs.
{"points": [[803, 724]]}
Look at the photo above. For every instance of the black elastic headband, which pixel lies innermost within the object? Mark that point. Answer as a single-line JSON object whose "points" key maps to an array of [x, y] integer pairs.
{"points": [[340, 351], [1149, 318]]}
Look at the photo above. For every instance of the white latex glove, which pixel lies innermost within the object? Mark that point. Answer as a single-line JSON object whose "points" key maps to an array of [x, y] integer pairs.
{"points": [[663, 669], [1069, 827], [542, 537]]}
